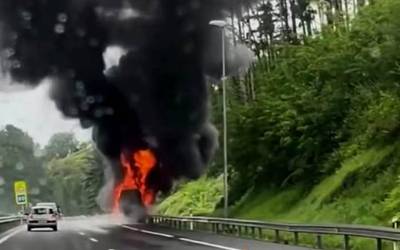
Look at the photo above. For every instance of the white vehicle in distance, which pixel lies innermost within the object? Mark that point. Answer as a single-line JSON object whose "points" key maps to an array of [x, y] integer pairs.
{"points": [[42, 217], [53, 205]]}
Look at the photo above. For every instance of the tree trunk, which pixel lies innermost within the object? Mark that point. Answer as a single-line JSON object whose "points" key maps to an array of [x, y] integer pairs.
{"points": [[337, 5], [309, 28], [233, 26], [355, 5], [321, 18], [253, 88], [239, 24], [303, 25], [346, 8], [285, 17], [330, 14], [293, 15]]}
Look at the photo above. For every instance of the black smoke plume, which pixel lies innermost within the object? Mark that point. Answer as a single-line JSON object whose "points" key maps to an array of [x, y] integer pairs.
{"points": [[155, 98]]}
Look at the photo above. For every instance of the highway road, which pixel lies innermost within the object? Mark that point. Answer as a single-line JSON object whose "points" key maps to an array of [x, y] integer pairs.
{"points": [[101, 234]]}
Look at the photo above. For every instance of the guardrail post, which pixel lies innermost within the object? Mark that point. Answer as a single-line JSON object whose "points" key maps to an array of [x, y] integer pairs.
{"points": [[346, 242], [296, 238], [378, 244], [277, 238], [260, 230], [319, 241], [191, 227], [231, 229]]}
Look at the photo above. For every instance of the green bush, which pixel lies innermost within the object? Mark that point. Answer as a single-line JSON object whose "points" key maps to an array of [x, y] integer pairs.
{"points": [[194, 198]]}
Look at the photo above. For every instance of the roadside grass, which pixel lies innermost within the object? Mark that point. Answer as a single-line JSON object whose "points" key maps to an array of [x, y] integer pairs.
{"points": [[193, 198], [354, 194]]}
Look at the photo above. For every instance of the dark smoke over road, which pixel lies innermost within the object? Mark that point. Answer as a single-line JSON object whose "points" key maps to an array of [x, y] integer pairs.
{"points": [[156, 97]]}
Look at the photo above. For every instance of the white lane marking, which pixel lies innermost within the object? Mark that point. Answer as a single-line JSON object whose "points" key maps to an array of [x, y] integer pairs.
{"points": [[181, 239], [158, 234], [148, 232], [82, 233], [207, 244], [130, 228], [11, 234], [93, 239]]}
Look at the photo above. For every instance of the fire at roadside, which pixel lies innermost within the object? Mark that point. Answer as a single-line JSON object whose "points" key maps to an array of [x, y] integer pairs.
{"points": [[136, 169], [149, 113]]}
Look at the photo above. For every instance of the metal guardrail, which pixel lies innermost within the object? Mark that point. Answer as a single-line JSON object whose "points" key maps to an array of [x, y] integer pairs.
{"points": [[8, 219], [9, 222], [258, 229]]}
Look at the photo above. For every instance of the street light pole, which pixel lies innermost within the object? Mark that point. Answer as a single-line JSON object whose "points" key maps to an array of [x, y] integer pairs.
{"points": [[222, 24], [225, 125]]}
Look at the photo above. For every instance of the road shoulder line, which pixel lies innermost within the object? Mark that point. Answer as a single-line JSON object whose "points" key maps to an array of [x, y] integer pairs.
{"points": [[10, 233], [197, 242]]}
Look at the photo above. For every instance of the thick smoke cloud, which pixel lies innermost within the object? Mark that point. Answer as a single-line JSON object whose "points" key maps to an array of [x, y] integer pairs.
{"points": [[155, 98]]}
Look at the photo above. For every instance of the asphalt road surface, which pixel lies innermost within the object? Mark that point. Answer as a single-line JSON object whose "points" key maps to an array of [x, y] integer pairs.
{"points": [[101, 234]]}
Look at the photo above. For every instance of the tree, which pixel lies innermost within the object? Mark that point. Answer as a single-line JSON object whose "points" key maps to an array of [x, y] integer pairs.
{"points": [[305, 103], [61, 145], [18, 162], [76, 180]]}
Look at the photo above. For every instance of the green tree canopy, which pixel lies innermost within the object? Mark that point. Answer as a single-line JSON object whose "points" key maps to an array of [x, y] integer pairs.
{"points": [[76, 180], [18, 162], [60, 145]]}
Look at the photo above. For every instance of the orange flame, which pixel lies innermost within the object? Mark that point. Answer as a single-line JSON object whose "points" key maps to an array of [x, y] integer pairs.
{"points": [[135, 177]]}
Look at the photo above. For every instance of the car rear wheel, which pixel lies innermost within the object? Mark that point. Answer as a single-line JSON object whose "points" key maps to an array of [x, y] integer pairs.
{"points": [[55, 228], [29, 228]]}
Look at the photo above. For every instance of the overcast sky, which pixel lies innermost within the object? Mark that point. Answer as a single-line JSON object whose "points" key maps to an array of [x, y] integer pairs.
{"points": [[34, 112]]}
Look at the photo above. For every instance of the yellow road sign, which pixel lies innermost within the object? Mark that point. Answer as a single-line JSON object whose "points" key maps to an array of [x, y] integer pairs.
{"points": [[21, 194]]}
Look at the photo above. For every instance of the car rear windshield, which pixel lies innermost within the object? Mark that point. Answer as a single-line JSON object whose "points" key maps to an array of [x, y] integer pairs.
{"points": [[42, 211]]}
